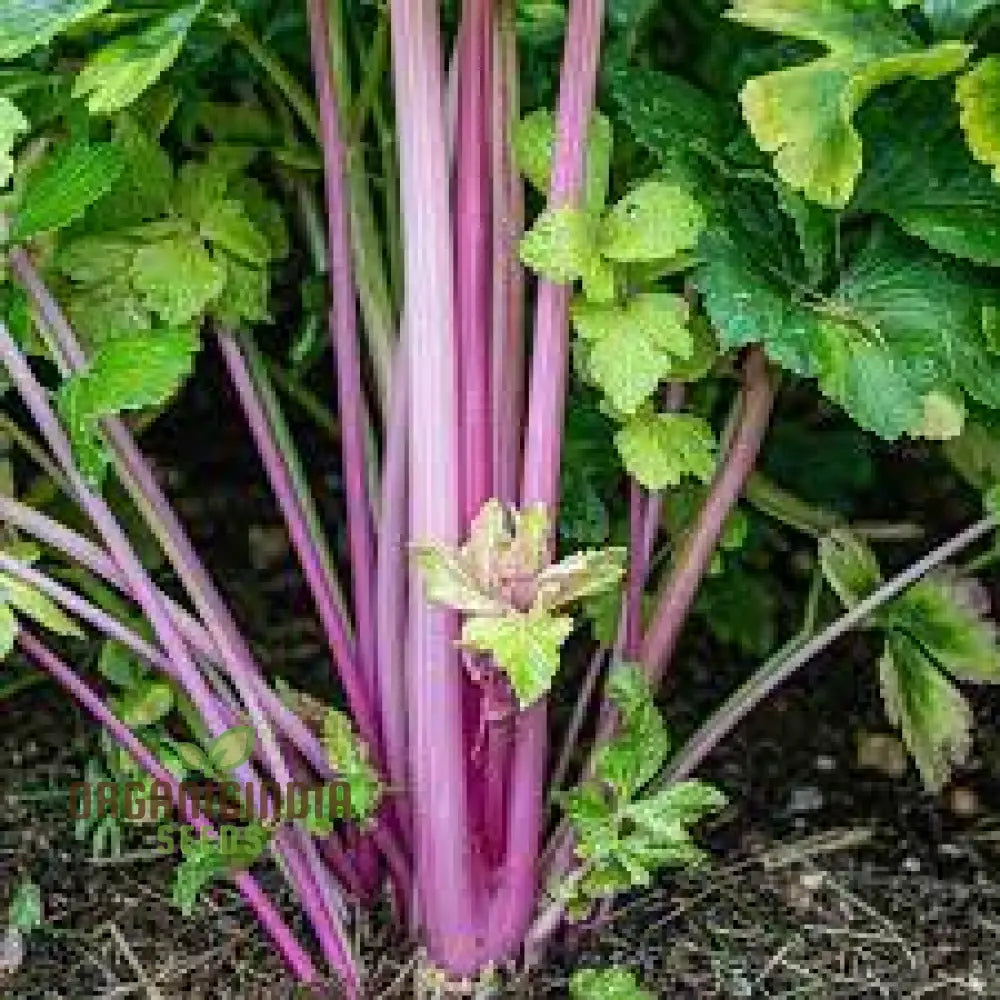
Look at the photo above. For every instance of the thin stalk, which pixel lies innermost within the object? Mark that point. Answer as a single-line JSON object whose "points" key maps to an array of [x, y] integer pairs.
{"points": [[437, 766], [290, 88], [391, 592], [693, 561], [321, 585], [34, 451], [286, 445], [636, 579], [302, 397], [374, 294], [775, 501], [298, 960], [473, 262], [776, 671], [542, 452], [507, 326], [86, 612], [373, 290], [344, 334], [584, 700]]}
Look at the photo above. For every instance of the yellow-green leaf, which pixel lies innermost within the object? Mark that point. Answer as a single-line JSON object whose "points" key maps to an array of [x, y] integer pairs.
{"points": [[978, 95], [660, 449]]}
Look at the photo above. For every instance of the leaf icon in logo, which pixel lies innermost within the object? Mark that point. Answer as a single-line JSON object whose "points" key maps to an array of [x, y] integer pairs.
{"points": [[232, 748], [193, 757]]}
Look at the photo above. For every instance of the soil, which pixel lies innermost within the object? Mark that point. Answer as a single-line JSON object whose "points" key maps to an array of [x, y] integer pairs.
{"points": [[828, 880]]}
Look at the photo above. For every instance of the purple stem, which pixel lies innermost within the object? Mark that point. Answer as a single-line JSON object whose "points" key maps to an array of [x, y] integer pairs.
{"points": [[508, 276], [293, 953], [692, 562], [344, 333], [391, 591], [543, 448], [636, 570], [437, 764], [309, 559], [472, 259]]}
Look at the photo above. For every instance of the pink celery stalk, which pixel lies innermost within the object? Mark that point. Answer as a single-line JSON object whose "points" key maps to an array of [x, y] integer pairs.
{"points": [[542, 453], [757, 399], [391, 591], [508, 276], [473, 267], [278, 476], [344, 332], [506, 350], [437, 764]]}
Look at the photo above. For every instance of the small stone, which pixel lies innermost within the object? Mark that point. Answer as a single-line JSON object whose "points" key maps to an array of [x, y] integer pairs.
{"points": [[806, 799], [963, 802], [826, 763], [911, 865], [881, 752]]}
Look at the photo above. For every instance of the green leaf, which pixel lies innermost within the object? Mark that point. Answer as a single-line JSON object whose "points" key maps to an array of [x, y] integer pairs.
{"points": [[681, 805], [560, 246], [125, 374], [526, 647], [350, 757], [450, 580], [606, 984], [227, 224], [12, 125], [654, 221], [975, 454], [232, 749], [749, 303], [35, 605], [978, 95], [948, 616], [177, 278], [633, 347], [804, 115], [934, 718], [849, 566], [144, 190], [196, 870], [580, 575], [25, 911], [639, 748], [200, 185], [146, 704], [27, 24], [244, 298], [902, 323], [919, 171], [65, 186], [952, 17], [668, 116], [8, 631], [660, 449], [116, 75]]}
